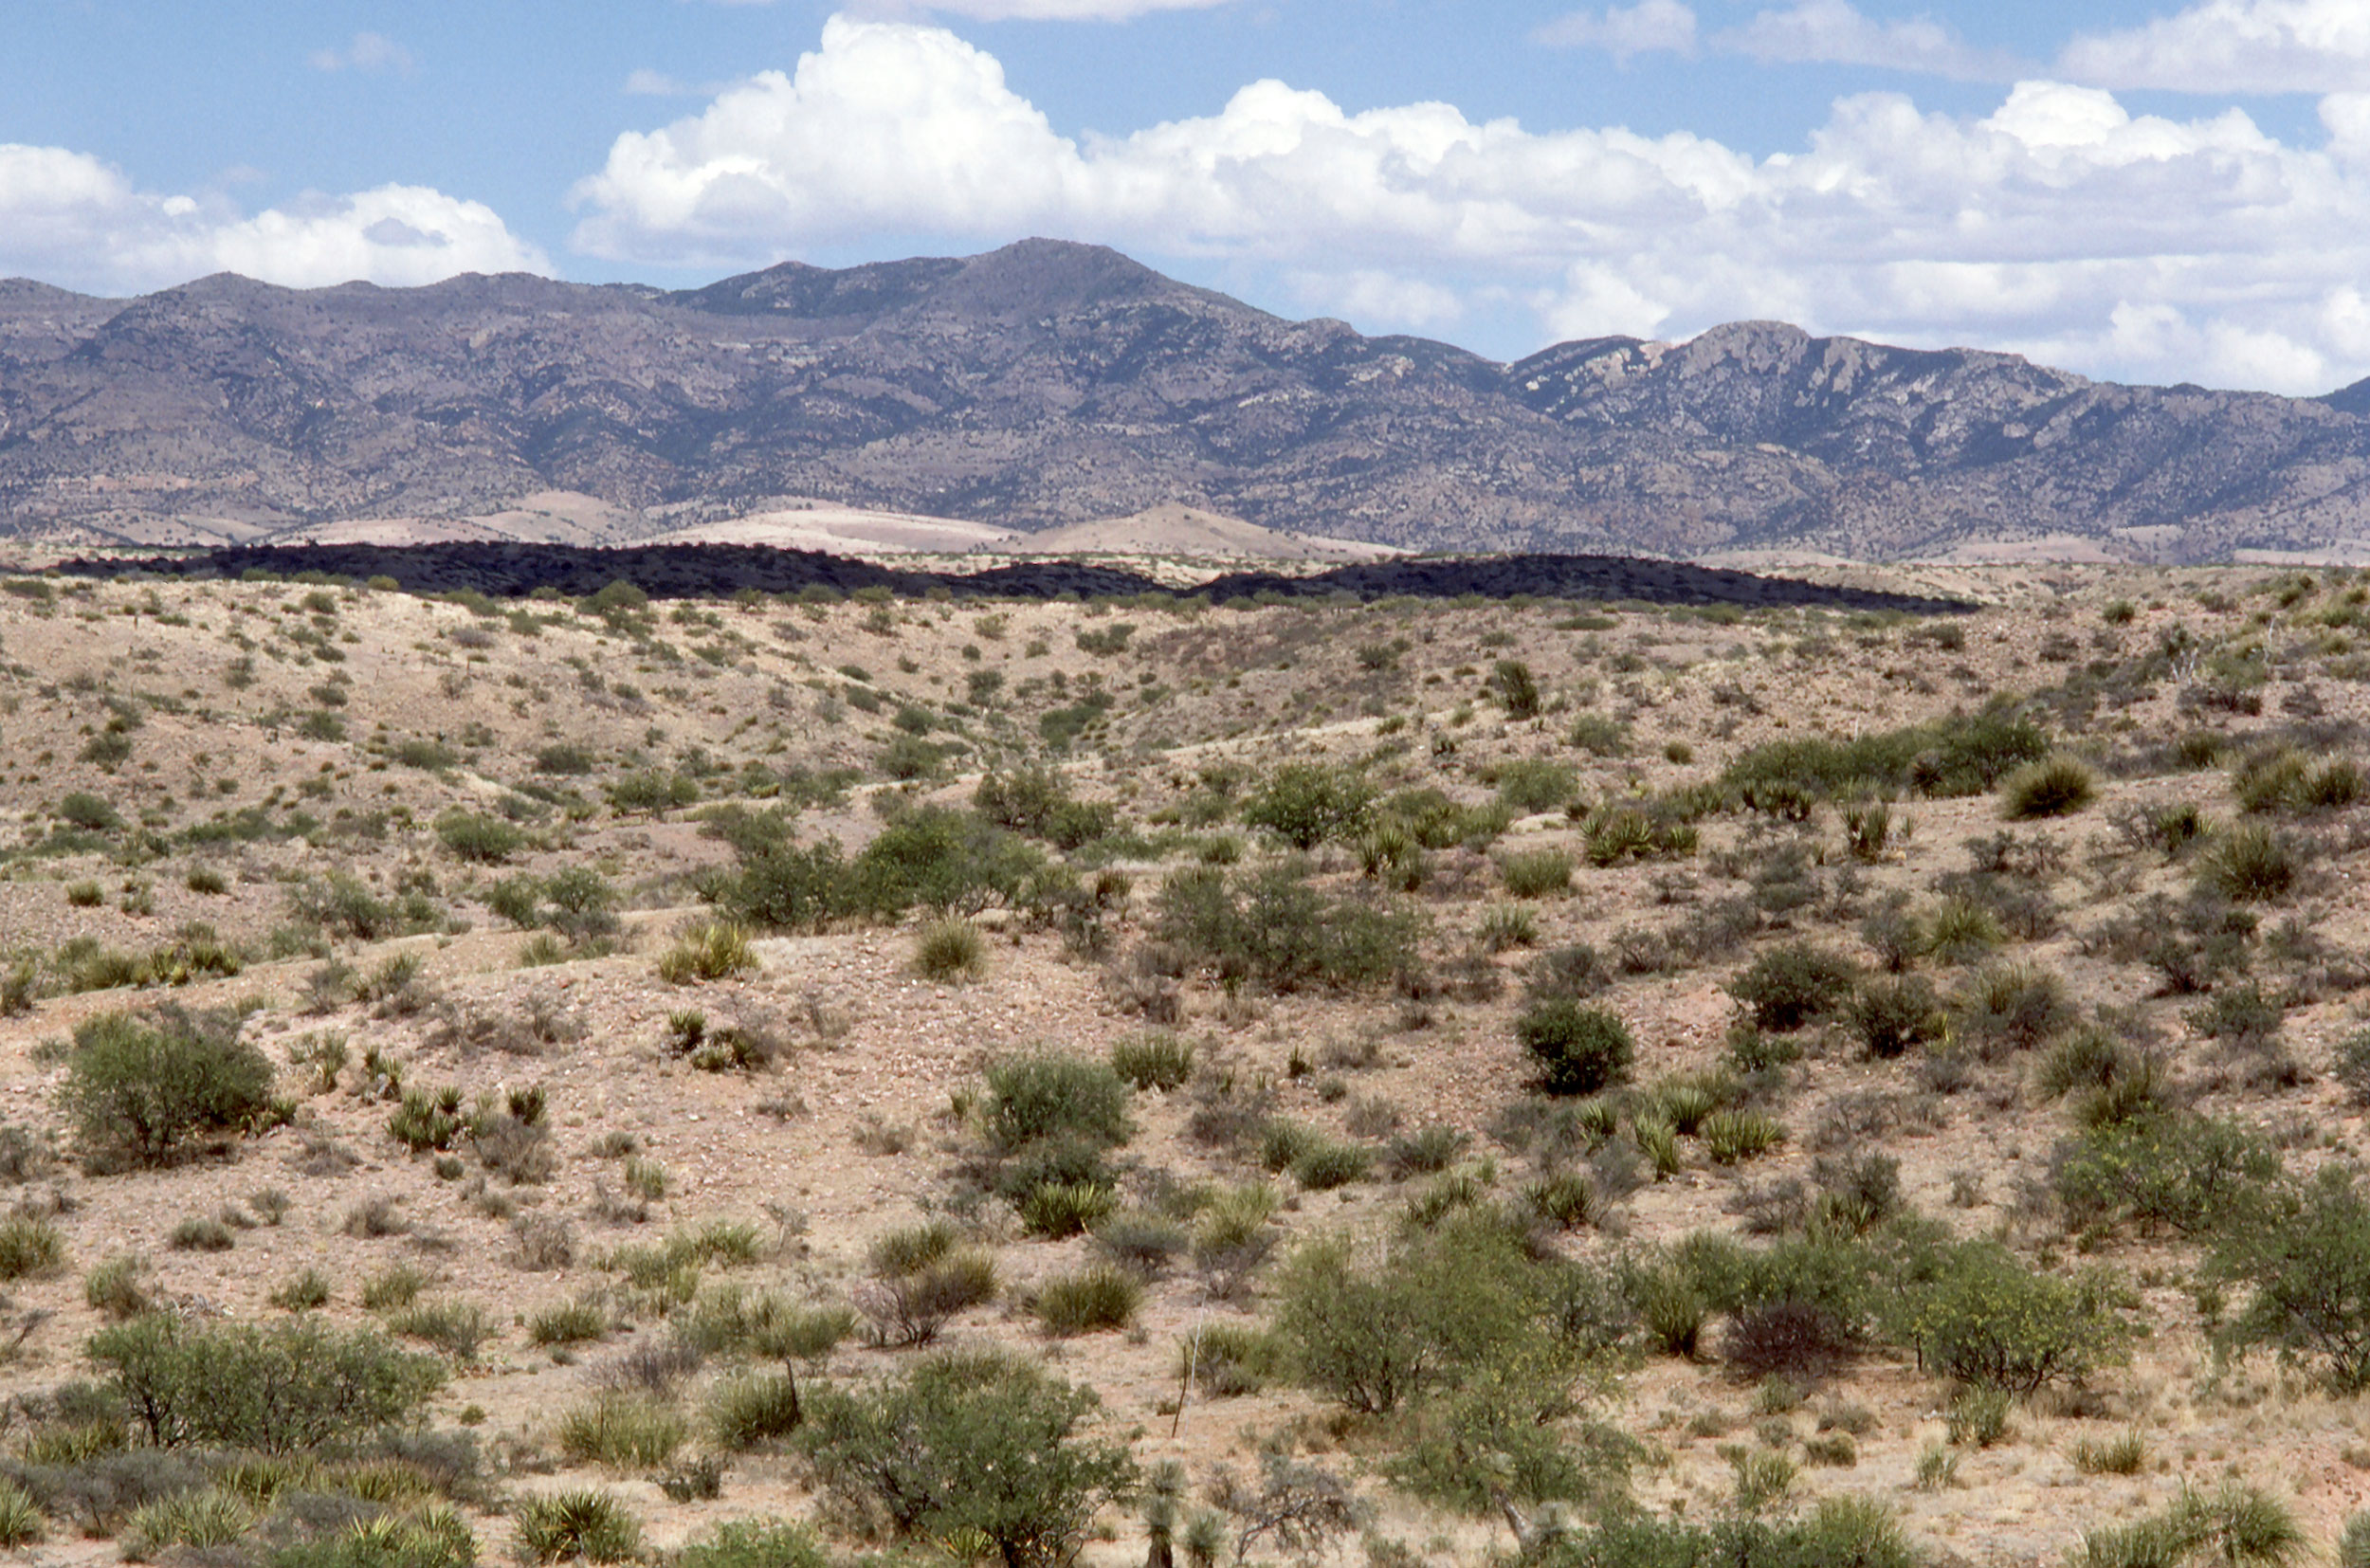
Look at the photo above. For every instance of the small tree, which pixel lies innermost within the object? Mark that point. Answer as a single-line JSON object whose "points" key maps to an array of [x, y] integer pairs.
{"points": [[1987, 1319], [974, 1440], [1306, 803], [137, 1090], [278, 1389], [2309, 1273]]}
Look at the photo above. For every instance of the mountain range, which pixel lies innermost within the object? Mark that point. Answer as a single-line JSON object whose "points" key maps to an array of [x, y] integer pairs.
{"points": [[1047, 383]]}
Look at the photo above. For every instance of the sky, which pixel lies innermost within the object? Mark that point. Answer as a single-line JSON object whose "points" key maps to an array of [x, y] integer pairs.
{"points": [[2135, 189]]}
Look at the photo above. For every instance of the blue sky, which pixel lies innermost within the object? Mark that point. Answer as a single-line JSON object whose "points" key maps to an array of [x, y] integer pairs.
{"points": [[2146, 189]]}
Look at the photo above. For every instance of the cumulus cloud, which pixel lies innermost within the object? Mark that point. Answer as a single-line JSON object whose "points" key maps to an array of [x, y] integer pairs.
{"points": [[2233, 47], [371, 53], [2124, 245], [1623, 32], [71, 219]]}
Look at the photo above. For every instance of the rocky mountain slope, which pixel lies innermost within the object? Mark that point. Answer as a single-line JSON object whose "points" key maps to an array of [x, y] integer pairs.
{"points": [[1047, 383]]}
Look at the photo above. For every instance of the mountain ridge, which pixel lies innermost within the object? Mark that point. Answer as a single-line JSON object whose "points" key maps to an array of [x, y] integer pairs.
{"points": [[1048, 383]]}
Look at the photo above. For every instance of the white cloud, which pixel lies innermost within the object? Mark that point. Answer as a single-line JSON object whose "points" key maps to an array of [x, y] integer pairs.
{"points": [[2225, 46], [1623, 32], [371, 53], [71, 219], [1047, 11], [1834, 32], [2060, 221]]}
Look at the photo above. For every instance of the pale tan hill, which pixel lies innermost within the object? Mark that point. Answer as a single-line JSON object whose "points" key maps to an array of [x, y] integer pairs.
{"points": [[843, 530], [1171, 529]]}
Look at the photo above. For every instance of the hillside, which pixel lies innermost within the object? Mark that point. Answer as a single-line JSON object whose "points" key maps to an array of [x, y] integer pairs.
{"points": [[1866, 1086], [1048, 384]]}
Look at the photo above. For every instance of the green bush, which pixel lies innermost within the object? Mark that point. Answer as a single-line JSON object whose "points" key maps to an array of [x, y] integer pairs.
{"points": [[1537, 873], [588, 1525], [1961, 755], [750, 1412], [1577, 1049], [1041, 1098], [1516, 688], [1036, 801], [947, 862], [1531, 784], [1448, 1305], [81, 809], [976, 1442], [1847, 1532], [2250, 863], [30, 1247], [2190, 1175], [1097, 1298], [277, 1388], [1895, 1015], [1155, 1059], [751, 1544], [2056, 786], [478, 838], [717, 950], [621, 1431], [138, 1090], [2306, 1269], [1271, 927], [1308, 803], [1986, 1320], [1788, 987], [2234, 1525], [950, 949]]}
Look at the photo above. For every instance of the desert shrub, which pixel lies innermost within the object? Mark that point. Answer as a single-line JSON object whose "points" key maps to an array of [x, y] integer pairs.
{"points": [[1308, 803], [31, 1246], [947, 862], [717, 950], [2013, 1007], [2126, 1454], [584, 1523], [19, 1517], [2234, 1524], [1530, 784], [570, 1324], [1428, 1149], [2057, 786], [1322, 1164], [1099, 1297], [457, 1329], [199, 1233], [1732, 1136], [978, 1443], [1055, 1210], [1155, 1060], [1788, 987], [1986, 1320], [621, 1431], [752, 1544], [2351, 1066], [1036, 801], [1575, 1050], [1040, 1098], [278, 1388], [478, 838], [1537, 873], [910, 1306], [950, 949], [1271, 927], [138, 1090], [1962, 755], [2192, 1176], [1566, 974], [1447, 1303], [2306, 1270], [1897, 1015], [2250, 863]]}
